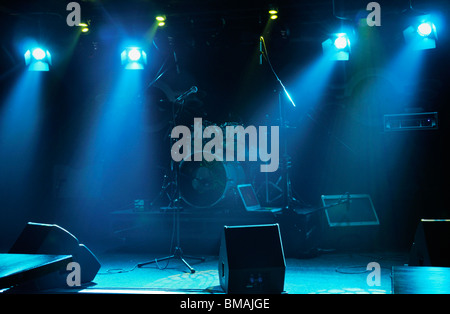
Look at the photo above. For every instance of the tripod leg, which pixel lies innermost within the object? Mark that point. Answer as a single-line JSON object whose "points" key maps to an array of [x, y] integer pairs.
{"points": [[192, 270], [179, 254], [156, 260]]}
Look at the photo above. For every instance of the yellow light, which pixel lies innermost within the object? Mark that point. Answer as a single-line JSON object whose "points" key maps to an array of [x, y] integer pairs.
{"points": [[160, 18], [82, 25], [273, 11], [85, 29], [161, 24], [274, 16]]}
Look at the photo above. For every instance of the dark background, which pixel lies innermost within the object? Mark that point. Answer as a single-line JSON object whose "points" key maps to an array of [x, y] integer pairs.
{"points": [[337, 145]]}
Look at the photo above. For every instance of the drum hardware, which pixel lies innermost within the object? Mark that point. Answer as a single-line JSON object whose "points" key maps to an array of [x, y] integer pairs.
{"points": [[205, 184]]}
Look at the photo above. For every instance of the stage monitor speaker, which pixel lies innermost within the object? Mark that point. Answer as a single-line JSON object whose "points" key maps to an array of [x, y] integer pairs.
{"points": [[37, 238], [251, 260], [431, 245]]}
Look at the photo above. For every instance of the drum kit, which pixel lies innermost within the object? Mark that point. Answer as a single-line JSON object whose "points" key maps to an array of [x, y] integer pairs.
{"points": [[205, 184], [193, 184], [199, 184], [190, 184]]}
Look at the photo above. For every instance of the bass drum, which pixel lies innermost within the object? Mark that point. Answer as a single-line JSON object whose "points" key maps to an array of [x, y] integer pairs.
{"points": [[204, 184]]}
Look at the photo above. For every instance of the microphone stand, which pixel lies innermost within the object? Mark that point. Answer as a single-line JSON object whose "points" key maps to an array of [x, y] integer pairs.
{"points": [[174, 198], [285, 160]]}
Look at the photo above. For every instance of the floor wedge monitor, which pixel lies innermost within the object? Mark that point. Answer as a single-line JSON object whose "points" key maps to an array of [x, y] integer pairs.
{"points": [[251, 260], [38, 238]]}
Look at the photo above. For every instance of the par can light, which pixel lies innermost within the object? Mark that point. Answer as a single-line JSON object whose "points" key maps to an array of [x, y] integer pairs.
{"points": [[134, 58], [425, 29], [38, 59]]}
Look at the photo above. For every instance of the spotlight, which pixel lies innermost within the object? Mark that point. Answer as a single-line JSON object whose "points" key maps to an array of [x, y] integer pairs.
{"points": [[84, 27], [273, 12], [38, 59], [273, 9], [161, 19], [425, 29], [421, 34], [337, 47], [38, 54], [341, 42], [134, 54], [133, 58]]}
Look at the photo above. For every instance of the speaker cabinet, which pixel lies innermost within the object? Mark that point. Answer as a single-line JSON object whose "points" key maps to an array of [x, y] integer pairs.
{"points": [[431, 245], [37, 238], [251, 259]]}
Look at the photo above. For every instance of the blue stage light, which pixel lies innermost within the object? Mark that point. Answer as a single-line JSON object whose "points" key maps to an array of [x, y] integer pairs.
{"points": [[337, 47], [38, 54], [425, 29], [38, 59], [421, 34], [341, 42], [134, 58], [134, 54]]}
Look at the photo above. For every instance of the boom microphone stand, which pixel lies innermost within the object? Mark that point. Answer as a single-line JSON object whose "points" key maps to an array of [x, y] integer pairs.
{"points": [[174, 197], [285, 160]]}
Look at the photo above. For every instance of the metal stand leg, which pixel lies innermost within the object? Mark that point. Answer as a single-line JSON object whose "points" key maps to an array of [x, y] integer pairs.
{"points": [[174, 197], [178, 253]]}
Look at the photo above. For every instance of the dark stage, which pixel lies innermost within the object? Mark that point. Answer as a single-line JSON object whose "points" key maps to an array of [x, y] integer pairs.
{"points": [[330, 273], [298, 147]]}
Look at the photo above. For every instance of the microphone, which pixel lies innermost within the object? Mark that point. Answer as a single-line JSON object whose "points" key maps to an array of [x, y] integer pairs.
{"points": [[261, 50], [190, 91]]}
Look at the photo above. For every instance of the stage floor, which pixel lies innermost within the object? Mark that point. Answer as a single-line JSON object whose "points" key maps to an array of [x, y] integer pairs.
{"points": [[328, 273]]}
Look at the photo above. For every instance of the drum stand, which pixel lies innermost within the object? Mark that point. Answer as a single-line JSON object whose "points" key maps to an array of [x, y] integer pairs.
{"points": [[174, 198]]}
